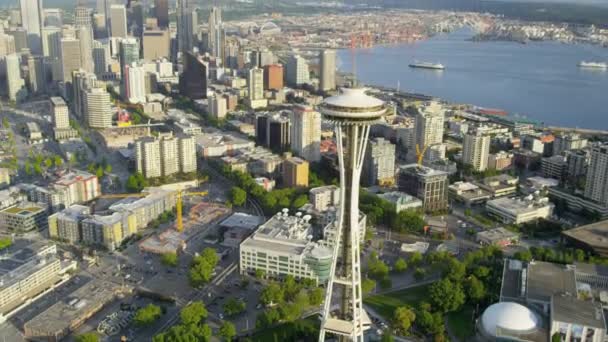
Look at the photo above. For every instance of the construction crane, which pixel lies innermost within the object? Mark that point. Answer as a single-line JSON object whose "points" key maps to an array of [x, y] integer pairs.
{"points": [[178, 204], [420, 154]]}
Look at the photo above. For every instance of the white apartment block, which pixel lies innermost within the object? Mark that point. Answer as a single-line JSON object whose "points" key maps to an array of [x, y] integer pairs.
{"points": [[134, 83], [306, 133], [324, 197], [60, 113], [475, 150], [98, 108]]}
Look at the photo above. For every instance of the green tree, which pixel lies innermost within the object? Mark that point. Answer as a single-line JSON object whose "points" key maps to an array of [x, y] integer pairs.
{"points": [[316, 296], [523, 255], [386, 283], [299, 201], [267, 318], [290, 312], [87, 337], [193, 313], [108, 168], [403, 317], [136, 182], [409, 221], [202, 267], [387, 337], [419, 273], [5, 123], [429, 323], [181, 333], [400, 265], [28, 168], [557, 337], [147, 315], [446, 295], [238, 196], [271, 294], [376, 268], [5, 243], [227, 331], [367, 285], [415, 259], [58, 161], [260, 273], [169, 259], [475, 289], [234, 307], [48, 162], [99, 172], [37, 169]]}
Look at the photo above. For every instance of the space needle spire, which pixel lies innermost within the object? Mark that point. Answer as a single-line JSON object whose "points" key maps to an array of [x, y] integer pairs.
{"points": [[352, 112]]}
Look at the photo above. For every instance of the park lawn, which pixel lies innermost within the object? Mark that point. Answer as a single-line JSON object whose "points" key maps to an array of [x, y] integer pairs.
{"points": [[461, 322], [385, 304], [305, 329]]}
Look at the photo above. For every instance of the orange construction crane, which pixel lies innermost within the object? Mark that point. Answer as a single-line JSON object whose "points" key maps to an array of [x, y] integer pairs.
{"points": [[178, 204], [420, 154]]}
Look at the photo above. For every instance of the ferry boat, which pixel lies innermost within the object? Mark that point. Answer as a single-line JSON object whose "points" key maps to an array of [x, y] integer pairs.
{"points": [[593, 65], [427, 65]]}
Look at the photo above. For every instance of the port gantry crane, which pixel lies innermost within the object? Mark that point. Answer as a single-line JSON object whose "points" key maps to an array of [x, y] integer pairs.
{"points": [[178, 205]]}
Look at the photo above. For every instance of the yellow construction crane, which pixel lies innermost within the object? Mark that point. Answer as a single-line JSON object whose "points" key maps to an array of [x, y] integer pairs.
{"points": [[178, 204], [420, 154]]}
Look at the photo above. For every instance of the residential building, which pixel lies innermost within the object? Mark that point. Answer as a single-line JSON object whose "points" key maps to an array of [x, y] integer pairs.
{"points": [[520, 210], [282, 247], [24, 217], [79, 186], [596, 188], [297, 72], [108, 231], [255, 83], [401, 200], [186, 148], [273, 77], [578, 161], [324, 197], [554, 167], [147, 157], [328, 70], [218, 106], [165, 156], [81, 83], [501, 160], [193, 80], [429, 129], [134, 83], [295, 172], [567, 142], [475, 150], [306, 133], [128, 53], [66, 225], [428, 185], [156, 44], [71, 58], [379, 163], [32, 22], [15, 85], [118, 21], [98, 108]]}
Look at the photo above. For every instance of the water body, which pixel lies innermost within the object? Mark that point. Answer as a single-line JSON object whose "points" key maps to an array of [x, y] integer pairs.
{"points": [[538, 80]]}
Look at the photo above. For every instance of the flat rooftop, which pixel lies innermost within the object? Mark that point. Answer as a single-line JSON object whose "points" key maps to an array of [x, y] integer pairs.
{"points": [[546, 279], [594, 235], [497, 234], [242, 220], [423, 171], [517, 205], [24, 209], [569, 309]]}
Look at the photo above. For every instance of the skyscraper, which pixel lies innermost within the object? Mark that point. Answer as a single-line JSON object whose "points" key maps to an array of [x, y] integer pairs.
{"points": [[128, 53], [134, 89], [297, 71], [51, 42], [217, 36], [596, 187], [147, 157], [7, 44], [379, 165], [279, 134], [31, 21], [328, 70], [161, 11], [82, 17], [82, 82], [36, 79], [255, 82], [273, 77], [165, 155], [186, 146], [99, 108], [60, 113], [70, 58], [352, 112], [156, 44], [193, 80], [186, 22], [429, 127], [14, 82], [85, 37], [118, 21], [306, 133], [476, 149], [101, 58]]}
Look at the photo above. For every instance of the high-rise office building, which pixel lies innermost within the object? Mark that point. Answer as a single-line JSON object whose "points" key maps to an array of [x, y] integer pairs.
{"points": [[156, 44], [295, 172], [7, 43], [428, 185], [70, 58], [14, 82], [218, 106], [379, 164], [36, 79], [60, 113], [306, 133], [476, 149], [193, 79], [279, 133], [133, 83], [118, 21], [85, 37], [136, 18], [99, 108], [161, 11], [82, 17], [101, 58], [273, 77], [20, 36], [82, 81], [297, 71], [217, 35], [51, 42], [255, 83], [327, 60], [596, 187], [187, 20], [31, 21], [128, 53], [52, 17]]}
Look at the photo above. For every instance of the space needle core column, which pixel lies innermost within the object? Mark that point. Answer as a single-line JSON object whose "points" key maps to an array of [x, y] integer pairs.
{"points": [[352, 112]]}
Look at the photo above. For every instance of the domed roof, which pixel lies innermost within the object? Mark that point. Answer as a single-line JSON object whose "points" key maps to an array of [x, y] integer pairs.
{"points": [[353, 98], [509, 316]]}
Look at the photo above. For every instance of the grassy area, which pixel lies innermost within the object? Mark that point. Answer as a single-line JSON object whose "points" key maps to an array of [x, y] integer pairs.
{"points": [[461, 322], [385, 304], [301, 330]]}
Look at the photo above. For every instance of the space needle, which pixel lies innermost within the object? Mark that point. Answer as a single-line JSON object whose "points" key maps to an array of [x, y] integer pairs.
{"points": [[352, 112]]}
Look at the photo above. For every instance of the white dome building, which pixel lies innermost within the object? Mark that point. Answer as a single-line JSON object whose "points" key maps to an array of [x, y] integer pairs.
{"points": [[506, 319]]}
